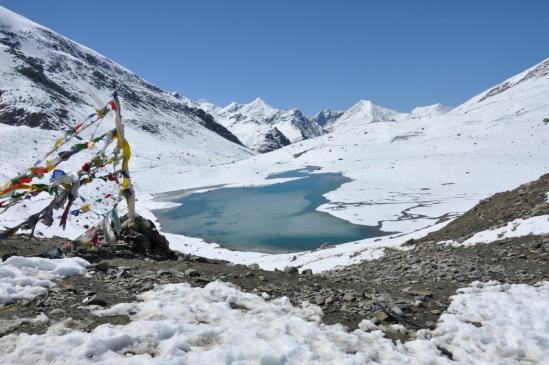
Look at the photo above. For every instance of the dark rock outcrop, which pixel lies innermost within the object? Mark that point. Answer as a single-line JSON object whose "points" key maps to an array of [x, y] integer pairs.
{"points": [[274, 139], [208, 121]]}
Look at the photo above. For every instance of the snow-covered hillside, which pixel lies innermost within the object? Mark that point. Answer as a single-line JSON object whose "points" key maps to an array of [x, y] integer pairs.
{"points": [[52, 82], [521, 94], [254, 124]]}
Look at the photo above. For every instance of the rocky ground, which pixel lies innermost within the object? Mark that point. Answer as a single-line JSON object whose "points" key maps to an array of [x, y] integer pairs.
{"points": [[410, 286]]}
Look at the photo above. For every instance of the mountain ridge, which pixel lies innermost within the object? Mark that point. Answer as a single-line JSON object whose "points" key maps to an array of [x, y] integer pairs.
{"points": [[51, 81], [255, 122]]}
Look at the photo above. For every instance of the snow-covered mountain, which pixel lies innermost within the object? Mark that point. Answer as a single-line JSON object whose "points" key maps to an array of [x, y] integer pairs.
{"points": [[364, 112], [428, 111], [520, 94], [49, 81], [326, 117], [254, 124]]}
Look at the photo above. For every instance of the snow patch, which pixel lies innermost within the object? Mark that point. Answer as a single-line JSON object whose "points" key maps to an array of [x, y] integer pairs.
{"points": [[517, 228], [29, 277]]}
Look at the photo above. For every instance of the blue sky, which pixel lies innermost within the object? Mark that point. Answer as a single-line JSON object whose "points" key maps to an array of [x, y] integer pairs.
{"points": [[310, 54]]}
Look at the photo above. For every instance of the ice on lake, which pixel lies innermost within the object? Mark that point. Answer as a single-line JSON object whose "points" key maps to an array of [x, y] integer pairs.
{"points": [[281, 217]]}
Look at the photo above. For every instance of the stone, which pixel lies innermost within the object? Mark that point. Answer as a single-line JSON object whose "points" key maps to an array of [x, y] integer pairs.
{"points": [[57, 311], [325, 246], [97, 300], [291, 270], [253, 266], [384, 297], [408, 290], [200, 259], [418, 303], [124, 272], [147, 285], [425, 293], [307, 272], [101, 267], [319, 300], [192, 273], [348, 297], [396, 310], [380, 315]]}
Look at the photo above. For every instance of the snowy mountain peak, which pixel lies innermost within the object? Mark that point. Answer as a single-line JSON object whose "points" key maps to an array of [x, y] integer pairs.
{"points": [[258, 103], [207, 106], [264, 128], [428, 111], [364, 112], [367, 106], [362, 103], [258, 110]]}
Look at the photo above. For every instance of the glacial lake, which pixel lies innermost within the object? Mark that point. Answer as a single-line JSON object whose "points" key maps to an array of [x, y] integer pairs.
{"points": [[275, 218]]}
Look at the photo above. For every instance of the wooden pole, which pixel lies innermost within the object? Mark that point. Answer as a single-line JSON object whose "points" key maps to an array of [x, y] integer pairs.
{"points": [[127, 186]]}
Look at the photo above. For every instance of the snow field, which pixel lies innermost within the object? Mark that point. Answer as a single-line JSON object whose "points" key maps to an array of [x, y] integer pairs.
{"points": [[486, 324]]}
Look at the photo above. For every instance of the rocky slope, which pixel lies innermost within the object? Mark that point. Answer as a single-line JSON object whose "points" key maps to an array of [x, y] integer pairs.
{"points": [[274, 139]]}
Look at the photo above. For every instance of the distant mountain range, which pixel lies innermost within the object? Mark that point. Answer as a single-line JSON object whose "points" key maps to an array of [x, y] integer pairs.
{"points": [[49, 81], [256, 123]]}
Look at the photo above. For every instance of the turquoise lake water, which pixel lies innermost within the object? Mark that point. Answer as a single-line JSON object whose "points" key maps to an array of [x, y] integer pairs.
{"points": [[274, 218]]}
